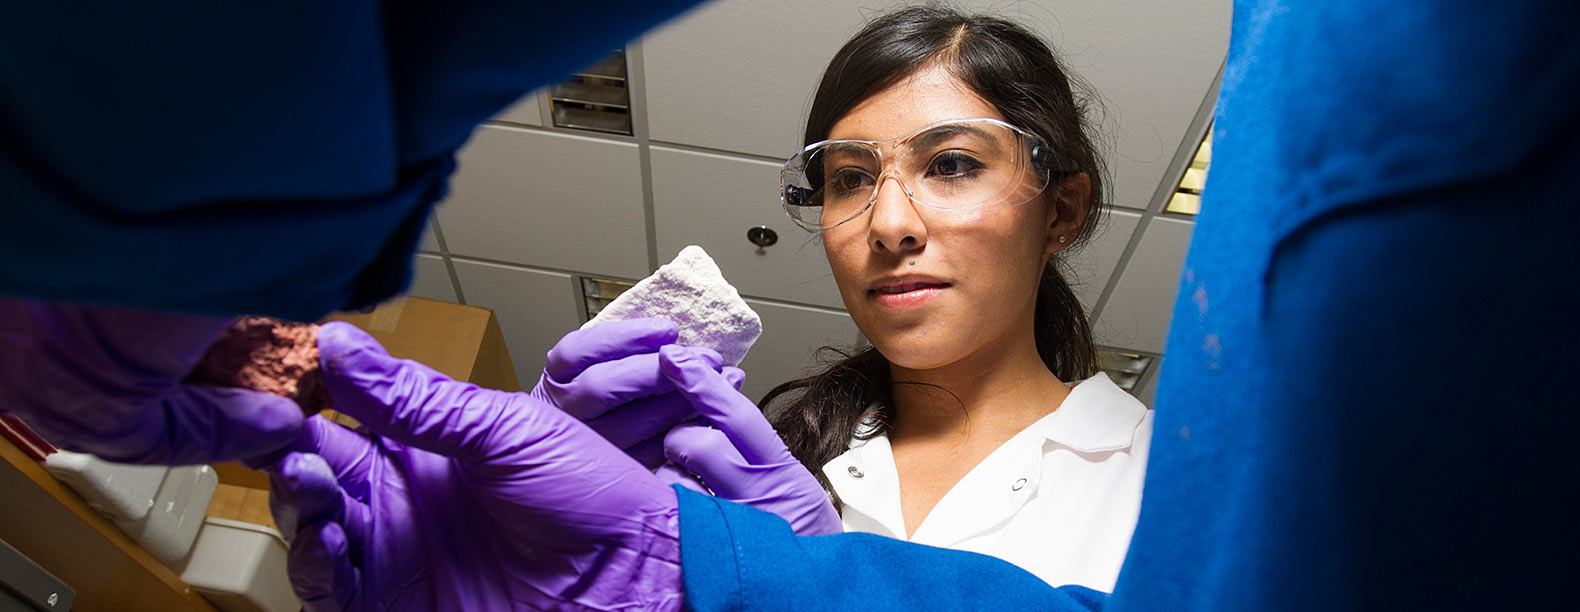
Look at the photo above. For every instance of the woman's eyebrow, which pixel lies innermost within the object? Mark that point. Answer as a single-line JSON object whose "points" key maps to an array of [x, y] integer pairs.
{"points": [[853, 147], [933, 136]]}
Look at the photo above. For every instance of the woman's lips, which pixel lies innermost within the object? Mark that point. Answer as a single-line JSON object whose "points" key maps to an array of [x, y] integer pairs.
{"points": [[906, 294]]}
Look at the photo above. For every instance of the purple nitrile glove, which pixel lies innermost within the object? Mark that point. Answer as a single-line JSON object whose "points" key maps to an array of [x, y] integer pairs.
{"points": [[109, 381], [607, 376], [466, 499], [741, 458]]}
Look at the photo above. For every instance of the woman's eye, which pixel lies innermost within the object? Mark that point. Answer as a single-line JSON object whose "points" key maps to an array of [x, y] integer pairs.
{"points": [[847, 180], [953, 165]]}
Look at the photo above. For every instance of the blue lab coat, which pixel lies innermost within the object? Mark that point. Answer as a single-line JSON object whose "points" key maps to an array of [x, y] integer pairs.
{"points": [[278, 158], [1366, 400]]}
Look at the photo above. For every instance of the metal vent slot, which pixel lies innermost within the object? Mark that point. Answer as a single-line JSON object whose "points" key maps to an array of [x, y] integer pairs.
{"points": [[598, 292], [595, 98]]}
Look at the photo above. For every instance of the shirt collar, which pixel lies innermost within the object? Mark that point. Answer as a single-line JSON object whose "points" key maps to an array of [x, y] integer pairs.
{"points": [[1098, 416]]}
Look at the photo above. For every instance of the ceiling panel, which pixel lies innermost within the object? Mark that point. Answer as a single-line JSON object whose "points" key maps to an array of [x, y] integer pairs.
{"points": [[1137, 312], [429, 244], [548, 199], [1090, 268], [431, 279], [525, 111], [712, 200], [535, 309], [791, 337]]}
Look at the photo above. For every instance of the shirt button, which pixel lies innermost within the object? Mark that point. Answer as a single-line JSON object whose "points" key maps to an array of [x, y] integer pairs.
{"points": [[855, 472], [1019, 484]]}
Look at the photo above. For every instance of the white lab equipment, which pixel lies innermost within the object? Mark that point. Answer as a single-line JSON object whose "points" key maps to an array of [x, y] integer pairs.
{"points": [[239, 567]]}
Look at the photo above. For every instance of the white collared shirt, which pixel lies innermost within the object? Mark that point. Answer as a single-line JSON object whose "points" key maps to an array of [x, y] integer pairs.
{"points": [[1059, 499]]}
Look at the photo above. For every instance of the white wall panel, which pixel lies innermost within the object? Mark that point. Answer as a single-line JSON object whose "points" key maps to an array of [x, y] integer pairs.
{"points": [[547, 199], [1137, 313], [791, 337], [524, 111], [712, 200], [431, 279], [428, 244], [535, 309], [1090, 268], [739, 75]]}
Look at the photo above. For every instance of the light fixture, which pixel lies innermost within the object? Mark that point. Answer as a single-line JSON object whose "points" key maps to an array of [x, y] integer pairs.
{"points": [[1186, 199]]}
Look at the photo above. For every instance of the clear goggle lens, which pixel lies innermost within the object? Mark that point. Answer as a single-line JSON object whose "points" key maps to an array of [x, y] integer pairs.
{"points": [[960, 165]]}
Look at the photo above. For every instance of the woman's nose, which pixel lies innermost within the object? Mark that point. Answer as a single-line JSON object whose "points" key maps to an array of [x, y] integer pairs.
{"points": [[895, 226]]}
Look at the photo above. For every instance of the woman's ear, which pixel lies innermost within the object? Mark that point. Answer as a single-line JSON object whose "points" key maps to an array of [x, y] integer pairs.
{"points": [[1072, 196]]}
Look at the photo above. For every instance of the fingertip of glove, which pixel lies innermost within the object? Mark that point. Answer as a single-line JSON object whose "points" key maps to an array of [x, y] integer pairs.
{"points": [[339, 341], [684, 439], [672, 355], [657, 326], [321, 546], [291, 467], [708, 356], [735, 376], [232, 423]]}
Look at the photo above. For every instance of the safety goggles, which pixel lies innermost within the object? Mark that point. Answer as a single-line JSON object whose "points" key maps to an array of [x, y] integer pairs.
{"points": [[959, 165]]}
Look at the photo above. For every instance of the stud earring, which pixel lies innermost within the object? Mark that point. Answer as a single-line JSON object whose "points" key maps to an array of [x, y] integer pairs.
{"points": [[1061, 240]]}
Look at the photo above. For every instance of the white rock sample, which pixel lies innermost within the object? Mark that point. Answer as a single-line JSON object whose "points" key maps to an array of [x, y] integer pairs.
{"points": [[693, 293]]}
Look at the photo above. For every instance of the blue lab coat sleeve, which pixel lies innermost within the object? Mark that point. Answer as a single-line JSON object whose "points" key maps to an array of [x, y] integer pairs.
{"points": [[739, 558], [272, 158]]}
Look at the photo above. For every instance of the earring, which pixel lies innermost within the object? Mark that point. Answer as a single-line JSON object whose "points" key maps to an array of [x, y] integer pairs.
{"points": [[1061, 240]]}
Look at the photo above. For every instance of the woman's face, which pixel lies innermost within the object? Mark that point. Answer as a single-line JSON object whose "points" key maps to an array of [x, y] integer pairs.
{"points": [[930, 287]]}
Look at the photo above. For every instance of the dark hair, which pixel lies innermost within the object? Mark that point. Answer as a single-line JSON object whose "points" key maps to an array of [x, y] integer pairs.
{"points": [[1018, 74]]}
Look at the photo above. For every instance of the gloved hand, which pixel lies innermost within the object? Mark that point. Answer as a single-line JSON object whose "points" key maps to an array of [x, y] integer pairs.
{"points": [[466, 499], [591, 372], [108, 381], [741, 458]]}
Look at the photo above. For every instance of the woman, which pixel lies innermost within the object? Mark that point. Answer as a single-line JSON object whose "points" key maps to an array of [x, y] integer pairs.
{"points": [[948, 169]]}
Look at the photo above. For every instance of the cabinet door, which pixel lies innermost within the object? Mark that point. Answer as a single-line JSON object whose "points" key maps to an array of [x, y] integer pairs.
{"points": [[535, 308], [546, 199], [712, 200]]}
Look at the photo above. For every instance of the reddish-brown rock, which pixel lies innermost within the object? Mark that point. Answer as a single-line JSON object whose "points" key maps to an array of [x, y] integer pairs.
{"points": [[269, 355]]}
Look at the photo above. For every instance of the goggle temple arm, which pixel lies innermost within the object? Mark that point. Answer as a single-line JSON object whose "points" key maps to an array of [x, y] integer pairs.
{"points": [[1044, 159]]}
